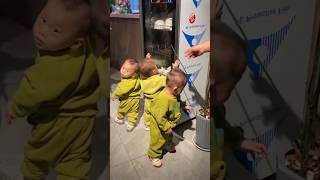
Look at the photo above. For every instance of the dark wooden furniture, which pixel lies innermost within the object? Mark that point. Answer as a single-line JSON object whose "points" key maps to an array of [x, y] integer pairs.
{"points": [[126, 38]]}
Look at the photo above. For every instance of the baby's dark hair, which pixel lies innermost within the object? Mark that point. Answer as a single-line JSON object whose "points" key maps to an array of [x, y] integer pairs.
{"points": [[230, 57], [176, 77], [133, 62], [74, 4], [219, 28], [146, 68], [84, 5]]}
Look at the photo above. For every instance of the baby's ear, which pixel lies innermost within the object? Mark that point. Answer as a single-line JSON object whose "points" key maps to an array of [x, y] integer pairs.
{"points": [[175, 89], [77, 43]]}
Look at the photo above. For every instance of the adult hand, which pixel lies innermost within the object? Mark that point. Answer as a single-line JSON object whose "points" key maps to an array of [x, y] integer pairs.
{"points": [[197, 50]]}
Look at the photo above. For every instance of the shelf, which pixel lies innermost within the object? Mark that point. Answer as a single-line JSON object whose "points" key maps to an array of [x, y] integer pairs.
{"points": [[161, 27], [164, 55], [162, 1], [128, 16]]}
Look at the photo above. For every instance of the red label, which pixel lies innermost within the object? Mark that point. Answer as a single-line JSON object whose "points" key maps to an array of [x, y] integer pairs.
{"points": [[192, 18]]}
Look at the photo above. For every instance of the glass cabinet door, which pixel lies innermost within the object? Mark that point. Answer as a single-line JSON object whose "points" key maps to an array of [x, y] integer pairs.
{"points": [[159, 31]]}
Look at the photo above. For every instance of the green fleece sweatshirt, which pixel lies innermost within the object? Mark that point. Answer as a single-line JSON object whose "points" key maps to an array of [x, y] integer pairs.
{"points": [[153, 85], [65, 83], [165, 110], [127, 88]]}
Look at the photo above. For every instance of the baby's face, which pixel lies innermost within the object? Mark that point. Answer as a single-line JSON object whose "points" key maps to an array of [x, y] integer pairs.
{"points": [[178, 90], [55, 28], [127, 70]]}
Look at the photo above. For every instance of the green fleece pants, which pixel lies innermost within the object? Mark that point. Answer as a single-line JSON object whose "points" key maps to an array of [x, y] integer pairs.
{"points": [[158, 139], [63, 143], [146, 115], [218, 166], [129, 107]]}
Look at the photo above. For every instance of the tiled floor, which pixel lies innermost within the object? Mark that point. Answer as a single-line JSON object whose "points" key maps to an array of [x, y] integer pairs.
{"points": [[17, 53], [128, 159]]}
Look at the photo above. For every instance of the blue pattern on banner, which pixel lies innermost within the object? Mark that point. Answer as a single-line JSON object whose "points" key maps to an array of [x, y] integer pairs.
{"points": [[191, 77], [197, 3], [272, 42], [193, 39], [242, 155]]}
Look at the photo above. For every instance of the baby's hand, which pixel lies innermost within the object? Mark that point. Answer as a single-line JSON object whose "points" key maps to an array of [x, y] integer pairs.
{"points": [[253, 146], [148, 56], [176, 64], [9, 118], [169, 131], [188, 107]]}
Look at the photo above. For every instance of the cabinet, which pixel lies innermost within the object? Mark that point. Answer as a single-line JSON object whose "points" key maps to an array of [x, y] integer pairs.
{"points": [[126, 38], [158, 17]]}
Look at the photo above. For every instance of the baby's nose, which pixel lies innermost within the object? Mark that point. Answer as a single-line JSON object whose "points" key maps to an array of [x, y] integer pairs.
{"points": [[43, 34], [43, 31]]}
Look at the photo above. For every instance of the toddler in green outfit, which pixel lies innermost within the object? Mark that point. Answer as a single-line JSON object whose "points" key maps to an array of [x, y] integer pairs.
{"points": [[164, 113], [59, 94], [128, 92], [152, 83]]}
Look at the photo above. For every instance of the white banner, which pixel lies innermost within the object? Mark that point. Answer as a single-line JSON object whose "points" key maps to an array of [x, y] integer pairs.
{"points": [[280, 33], [194, 28]]}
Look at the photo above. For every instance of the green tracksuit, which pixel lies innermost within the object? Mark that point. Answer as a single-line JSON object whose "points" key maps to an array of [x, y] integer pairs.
{"points": [[128, 92], [151, 87], [59, 96], [165, 112], [217, 167], [103, 69], [223, 134]]}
